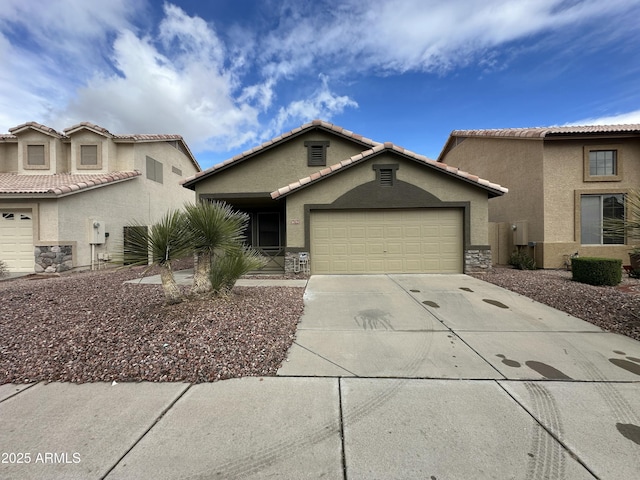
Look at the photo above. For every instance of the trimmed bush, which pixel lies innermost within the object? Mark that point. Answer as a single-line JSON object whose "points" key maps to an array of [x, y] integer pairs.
{"points": [[522, 261], [597, 271]]}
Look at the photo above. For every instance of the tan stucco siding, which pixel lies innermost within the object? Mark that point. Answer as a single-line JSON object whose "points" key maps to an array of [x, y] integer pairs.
{"points": [[565, 183], [170, 157], [8, 158], [54, 152], [445, 188], [515, 164], [449, 189], [276, 167], [117, 205], [107, 152]]}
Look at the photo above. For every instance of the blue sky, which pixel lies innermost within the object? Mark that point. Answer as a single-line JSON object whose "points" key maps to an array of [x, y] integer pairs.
{"points": [[230, 74]]}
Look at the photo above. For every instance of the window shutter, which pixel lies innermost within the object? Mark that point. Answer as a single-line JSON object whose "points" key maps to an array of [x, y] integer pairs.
{"points": [[35, 154], [89, 155]]}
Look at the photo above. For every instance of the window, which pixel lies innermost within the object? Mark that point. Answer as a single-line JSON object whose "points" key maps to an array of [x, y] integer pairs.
{"points": [[316, 153], [593, 210], [89, 156], [386, 174], [36, 157], [268, 229], [154, 170], [602, 164]]}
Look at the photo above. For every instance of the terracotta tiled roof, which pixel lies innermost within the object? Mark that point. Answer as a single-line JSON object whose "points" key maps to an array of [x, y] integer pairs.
{"points": [[274, 141], [58, 185], [387, 146], [90, 126], [36, 126], [542, 132]]}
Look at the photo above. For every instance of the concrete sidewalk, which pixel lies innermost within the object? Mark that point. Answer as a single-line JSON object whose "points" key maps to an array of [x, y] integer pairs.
{"points": [[185, 277], [397, 376]]}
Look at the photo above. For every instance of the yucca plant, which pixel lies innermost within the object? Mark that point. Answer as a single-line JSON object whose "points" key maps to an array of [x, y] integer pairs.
{"points": [[629, 226], [165, 241], [214, 228], [231, 265]]}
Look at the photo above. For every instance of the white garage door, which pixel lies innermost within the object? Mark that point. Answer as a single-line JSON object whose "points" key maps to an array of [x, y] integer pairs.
{"points": [[16, 240], [427, 240]]}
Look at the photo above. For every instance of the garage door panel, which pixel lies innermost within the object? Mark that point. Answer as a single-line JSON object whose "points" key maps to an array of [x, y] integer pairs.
{"points": [[358, 249], [387, 241], [16, 240]]}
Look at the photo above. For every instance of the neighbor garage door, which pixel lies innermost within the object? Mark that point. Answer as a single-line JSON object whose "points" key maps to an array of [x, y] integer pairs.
{"points": [[16, 240], [427, 240]]}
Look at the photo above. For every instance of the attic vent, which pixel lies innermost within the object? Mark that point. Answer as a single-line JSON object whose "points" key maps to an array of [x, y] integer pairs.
{"points": [[386, 177], [386, 174], [316, 153]]}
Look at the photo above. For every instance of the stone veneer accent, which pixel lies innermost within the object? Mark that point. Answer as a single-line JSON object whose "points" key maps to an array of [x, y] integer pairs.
{"points": [[477, 260], [291, 263], [474, 261], [53, 259]]}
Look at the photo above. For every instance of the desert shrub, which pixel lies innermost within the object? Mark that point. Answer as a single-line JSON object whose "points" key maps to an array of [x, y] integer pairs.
{"points": [[228, 267], [522, 261], [597, 271], [4, 270]]}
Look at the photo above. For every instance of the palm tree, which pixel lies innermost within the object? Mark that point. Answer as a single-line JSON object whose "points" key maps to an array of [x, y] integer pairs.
{"points": [[165, 241], [215, 229]]}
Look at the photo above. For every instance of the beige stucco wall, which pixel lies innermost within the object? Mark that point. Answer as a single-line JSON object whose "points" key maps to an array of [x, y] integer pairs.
{"points": [[565, 182], [57, 161], [115, 205], [169, 156], [442, 186], [515, 164], [277, 167], [545, 180], [107, 152], [8, 157]]}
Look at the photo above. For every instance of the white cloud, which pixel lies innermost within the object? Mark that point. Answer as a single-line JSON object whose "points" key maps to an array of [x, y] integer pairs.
{"points": [[184, 89], [69, 61], [421, 35], [323, 103], [617, 119]]}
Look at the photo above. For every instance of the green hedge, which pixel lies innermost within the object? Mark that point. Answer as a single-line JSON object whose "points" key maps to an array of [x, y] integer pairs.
{"points": [[597, 271]]}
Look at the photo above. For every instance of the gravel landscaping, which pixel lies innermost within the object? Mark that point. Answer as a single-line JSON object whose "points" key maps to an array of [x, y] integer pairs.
{"points": [[85, 327], [615, 309]]}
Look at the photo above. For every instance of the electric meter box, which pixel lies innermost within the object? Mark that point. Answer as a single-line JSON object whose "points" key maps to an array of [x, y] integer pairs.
{"points": [[96, 232]]}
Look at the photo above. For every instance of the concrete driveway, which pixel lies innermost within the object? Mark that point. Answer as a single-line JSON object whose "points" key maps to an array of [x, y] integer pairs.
{"points": [[390, 377]]}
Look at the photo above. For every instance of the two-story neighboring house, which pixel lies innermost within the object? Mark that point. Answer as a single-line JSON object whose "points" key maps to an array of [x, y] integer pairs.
{"points": [[325, 197], [563, 182], [66, 198]]}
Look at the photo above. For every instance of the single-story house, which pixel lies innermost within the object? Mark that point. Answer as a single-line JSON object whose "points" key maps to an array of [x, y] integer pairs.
{"points": [[323, 197], [563, 182], [67, 198]]}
